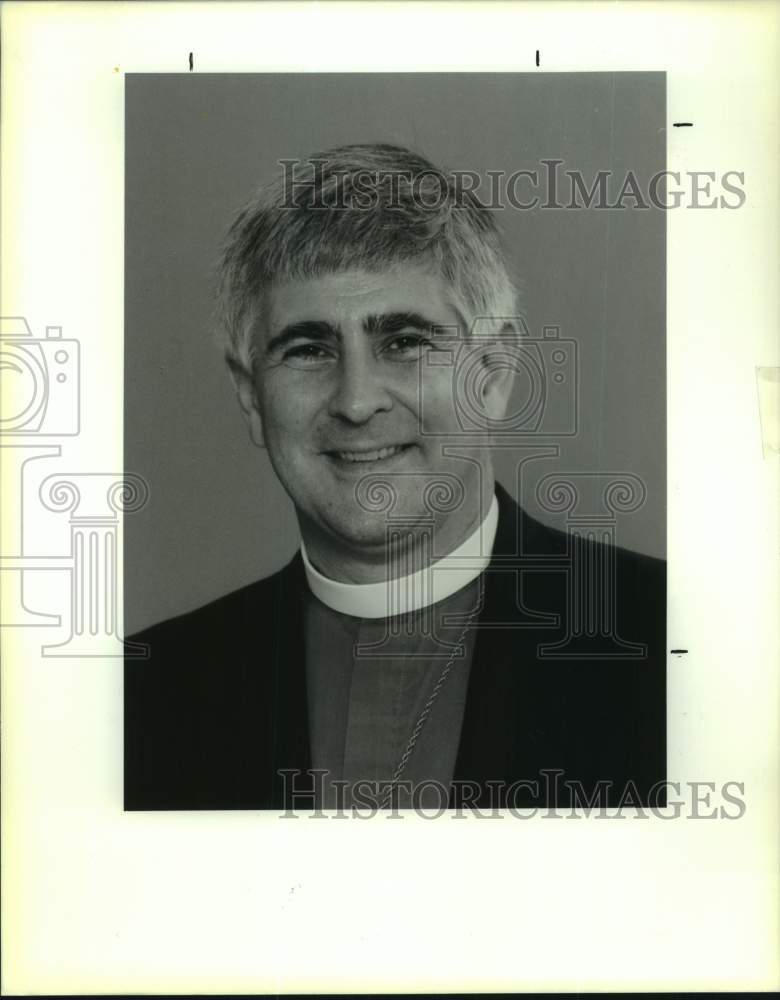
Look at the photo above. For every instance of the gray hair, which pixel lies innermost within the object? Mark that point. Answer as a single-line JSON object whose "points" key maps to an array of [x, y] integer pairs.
{"points": [[358, 207]]}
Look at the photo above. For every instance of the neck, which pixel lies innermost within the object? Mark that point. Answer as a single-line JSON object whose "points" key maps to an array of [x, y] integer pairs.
{"points": [[417, 588], [414, 551]]}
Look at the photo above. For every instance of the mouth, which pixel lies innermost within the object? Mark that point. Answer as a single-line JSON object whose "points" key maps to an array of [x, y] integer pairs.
{"points": [[368, 456]]}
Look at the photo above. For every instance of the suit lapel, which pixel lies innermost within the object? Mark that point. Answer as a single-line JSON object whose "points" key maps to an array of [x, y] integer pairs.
{"points": [[507, 727], [291, 747]]}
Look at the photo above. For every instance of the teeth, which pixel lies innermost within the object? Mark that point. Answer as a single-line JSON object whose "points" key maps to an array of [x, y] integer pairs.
{"points": [[369, 456]]}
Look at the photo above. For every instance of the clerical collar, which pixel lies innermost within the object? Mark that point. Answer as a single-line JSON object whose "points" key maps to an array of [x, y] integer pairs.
{"points": [[417, 590]]}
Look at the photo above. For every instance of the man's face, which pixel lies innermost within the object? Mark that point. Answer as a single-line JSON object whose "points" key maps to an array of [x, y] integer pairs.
{"points": [[337, 397]]}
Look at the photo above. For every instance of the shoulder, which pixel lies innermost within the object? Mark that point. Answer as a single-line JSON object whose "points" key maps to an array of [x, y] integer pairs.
{"points": [[198, 692], [250, 605], [579, 572], [521, 534]]}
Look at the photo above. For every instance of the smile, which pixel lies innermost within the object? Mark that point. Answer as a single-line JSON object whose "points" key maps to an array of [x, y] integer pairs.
{"points": [[376, 455]]}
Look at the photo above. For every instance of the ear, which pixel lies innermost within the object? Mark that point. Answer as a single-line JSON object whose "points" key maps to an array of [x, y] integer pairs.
{"points": [[500, 363], [246, 392]]}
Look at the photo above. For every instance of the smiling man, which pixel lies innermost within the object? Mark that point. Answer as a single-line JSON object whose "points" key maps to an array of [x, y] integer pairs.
{"points": [[334, 393], [407, 653]]}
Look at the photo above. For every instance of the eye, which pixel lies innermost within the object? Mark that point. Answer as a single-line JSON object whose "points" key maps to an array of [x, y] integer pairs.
{"points": [[307, 355], [407, 347]]}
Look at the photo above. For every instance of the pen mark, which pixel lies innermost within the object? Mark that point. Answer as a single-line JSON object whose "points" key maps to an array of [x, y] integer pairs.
{"points": [[537, 57], [678, 650], [683, 124], [191, 62]]}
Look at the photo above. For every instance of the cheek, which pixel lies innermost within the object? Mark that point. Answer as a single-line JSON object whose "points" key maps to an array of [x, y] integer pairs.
{"points": [[287, 410], [436, 406]]}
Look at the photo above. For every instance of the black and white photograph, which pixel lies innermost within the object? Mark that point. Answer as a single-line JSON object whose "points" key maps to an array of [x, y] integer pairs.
{"points": [[448, 348], [389, 440]]}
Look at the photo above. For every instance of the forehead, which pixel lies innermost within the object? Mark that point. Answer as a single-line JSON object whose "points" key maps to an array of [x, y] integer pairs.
{"points": [[347, 297]]}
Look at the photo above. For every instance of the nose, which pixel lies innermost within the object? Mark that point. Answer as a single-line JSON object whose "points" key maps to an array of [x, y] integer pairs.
{"points": [[360, 391]]}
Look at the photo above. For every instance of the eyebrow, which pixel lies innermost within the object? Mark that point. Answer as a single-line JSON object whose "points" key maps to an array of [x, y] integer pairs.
{"points": [[394, 322], [375, 325]]}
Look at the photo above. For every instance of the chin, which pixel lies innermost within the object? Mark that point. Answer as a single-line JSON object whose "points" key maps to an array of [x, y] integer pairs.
{"points": [[363, 533], [369, 532]]}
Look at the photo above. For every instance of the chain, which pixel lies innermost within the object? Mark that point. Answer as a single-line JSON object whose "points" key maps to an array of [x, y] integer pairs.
{"points": [[423, 718]]}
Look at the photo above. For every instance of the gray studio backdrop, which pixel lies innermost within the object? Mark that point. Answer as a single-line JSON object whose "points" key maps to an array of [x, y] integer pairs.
{"points": [[196, 148]]}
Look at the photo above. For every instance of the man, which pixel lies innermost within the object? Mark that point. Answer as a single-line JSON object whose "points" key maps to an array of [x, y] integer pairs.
{"points": [[430, 643]]}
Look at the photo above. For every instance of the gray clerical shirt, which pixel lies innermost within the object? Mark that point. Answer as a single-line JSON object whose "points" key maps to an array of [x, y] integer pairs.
{"points": [[368, 681]]}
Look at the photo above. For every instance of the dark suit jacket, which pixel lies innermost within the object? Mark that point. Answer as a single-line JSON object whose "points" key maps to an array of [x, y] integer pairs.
{"points": [[219, 708]]}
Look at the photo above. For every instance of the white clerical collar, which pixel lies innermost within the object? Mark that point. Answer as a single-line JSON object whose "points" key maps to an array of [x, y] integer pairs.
{"points": [[417, 590]]}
